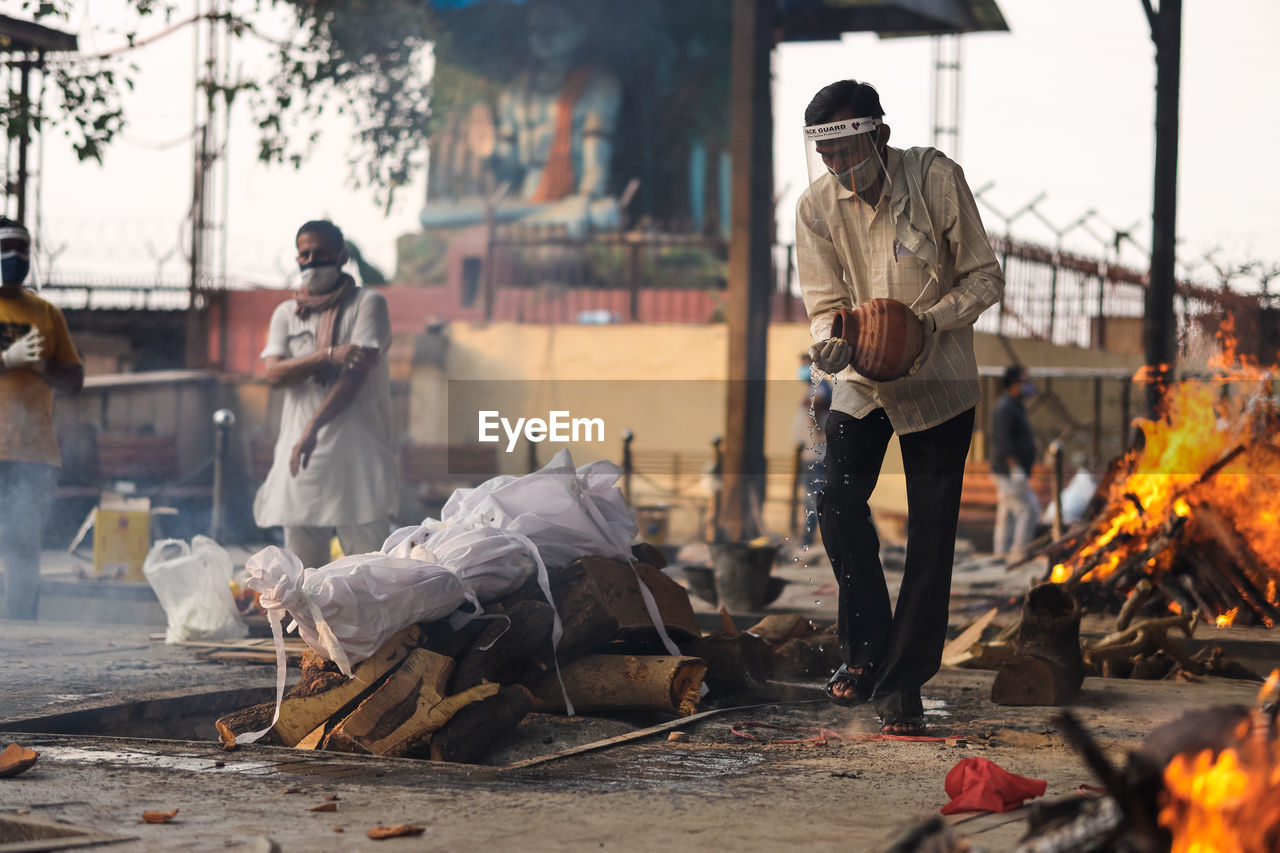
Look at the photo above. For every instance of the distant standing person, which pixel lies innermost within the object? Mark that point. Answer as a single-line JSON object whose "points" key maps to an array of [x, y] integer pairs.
{"points": [[1013, 453], [334, 468], [882, 222], [38, 358]]}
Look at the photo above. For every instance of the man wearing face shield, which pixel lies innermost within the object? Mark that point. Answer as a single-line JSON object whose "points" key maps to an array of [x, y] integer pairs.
{"points": [[36, 358], [334, 468], [882, 222]]}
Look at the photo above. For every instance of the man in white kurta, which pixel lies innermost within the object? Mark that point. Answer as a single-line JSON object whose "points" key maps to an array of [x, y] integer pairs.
{"points": [[334, 469]]}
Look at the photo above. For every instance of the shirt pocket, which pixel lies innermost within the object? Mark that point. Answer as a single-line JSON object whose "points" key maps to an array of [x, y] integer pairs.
{"points": [[910, 283], [300, 342]]}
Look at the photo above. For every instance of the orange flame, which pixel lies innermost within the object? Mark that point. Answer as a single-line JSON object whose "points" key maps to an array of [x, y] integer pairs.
{"points": [[1228, 803], [1225, 619], [1203, 423]]}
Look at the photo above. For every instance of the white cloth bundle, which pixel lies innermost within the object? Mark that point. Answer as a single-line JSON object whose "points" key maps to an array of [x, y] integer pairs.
{"points": [[350, 607], [490, 562], [567, 514]]}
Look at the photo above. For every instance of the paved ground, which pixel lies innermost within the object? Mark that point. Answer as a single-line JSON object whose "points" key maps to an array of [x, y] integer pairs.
{"points": [[715, 790]]}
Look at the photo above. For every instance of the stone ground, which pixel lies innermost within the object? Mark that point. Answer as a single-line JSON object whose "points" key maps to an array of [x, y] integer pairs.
{"points": [[714, 790]]}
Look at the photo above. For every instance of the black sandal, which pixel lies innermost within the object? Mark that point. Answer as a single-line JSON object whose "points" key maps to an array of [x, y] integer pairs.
{"points": [[902, 725], [863, 683]]}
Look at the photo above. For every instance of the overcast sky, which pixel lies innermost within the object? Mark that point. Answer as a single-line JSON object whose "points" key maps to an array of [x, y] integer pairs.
{"points": [[1063, 104]]}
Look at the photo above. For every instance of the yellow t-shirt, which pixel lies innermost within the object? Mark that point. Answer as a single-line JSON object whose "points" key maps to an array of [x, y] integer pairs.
{"points": [[26, 400]]}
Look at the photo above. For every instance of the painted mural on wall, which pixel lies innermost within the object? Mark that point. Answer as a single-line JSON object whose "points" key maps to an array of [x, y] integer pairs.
{"points": [[578, 116]]}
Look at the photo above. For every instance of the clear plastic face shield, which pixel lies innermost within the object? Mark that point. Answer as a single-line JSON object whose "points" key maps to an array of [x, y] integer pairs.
{"points": [[846, 151]]}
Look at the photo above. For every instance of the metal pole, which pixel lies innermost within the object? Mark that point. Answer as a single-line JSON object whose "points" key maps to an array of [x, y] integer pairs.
{"points": [[223, 421], [628, 464]]}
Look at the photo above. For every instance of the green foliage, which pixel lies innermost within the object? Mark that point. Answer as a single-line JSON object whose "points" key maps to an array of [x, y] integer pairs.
{"points": [[361, 58]]}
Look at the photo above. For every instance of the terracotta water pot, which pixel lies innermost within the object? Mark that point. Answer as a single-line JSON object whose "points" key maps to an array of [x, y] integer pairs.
{"points": [[886, 337]]}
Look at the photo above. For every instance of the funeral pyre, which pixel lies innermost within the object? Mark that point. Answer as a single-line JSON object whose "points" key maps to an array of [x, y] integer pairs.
{"points": [[526, 596], [1194, 507], [1207, 782]]}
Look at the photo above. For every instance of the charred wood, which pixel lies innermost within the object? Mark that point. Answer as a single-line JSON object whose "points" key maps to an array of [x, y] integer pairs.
{"points": [[475, 728], [1047, 667]]}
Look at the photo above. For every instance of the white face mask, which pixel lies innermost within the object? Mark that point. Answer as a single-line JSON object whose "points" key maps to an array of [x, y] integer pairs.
{"points": [[320, 278]]}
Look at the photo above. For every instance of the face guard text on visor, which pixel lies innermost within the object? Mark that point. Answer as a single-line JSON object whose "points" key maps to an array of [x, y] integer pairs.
{"points": [[845, 151]]}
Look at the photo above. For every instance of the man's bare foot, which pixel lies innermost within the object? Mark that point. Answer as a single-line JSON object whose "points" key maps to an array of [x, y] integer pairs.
{"points": [[850, 685], [903, 725]]}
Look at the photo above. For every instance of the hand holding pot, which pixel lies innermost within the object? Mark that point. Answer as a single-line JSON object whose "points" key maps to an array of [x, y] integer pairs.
{"points": [[831, 356]]}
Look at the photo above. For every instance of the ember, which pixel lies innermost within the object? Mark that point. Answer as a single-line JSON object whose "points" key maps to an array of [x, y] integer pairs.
{"points": [[1194, 506]]}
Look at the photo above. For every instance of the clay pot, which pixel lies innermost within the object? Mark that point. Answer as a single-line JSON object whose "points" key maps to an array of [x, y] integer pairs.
{"points": [[885, 335]]}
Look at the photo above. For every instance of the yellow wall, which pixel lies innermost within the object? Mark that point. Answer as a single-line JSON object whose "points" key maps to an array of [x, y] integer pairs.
{"points": [[665, 383]]}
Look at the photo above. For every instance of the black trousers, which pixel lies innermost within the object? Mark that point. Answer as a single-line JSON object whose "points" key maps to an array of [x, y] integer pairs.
{"points": [[904, 645]]}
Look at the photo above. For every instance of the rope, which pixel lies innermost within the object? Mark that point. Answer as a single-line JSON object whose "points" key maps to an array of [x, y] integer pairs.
{"points": [[740, 729]]}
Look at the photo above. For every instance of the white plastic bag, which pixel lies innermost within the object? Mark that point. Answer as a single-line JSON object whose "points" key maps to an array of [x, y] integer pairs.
{"points": [[566, 513], [193, 584], [1075, 499], [349, 608]]}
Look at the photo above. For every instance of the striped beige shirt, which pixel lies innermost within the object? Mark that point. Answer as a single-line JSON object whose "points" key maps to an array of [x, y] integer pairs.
{"points": [[848, 253]]}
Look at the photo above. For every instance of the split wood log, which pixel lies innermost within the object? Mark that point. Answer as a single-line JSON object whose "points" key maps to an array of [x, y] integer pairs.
{"points": [[15, 759], [967, 638], [422, 676], [313, 740], [1030, 680], [817, 655], [318, 695], [648, 553], [1228, 552], [1046, 668], [252, 719], [414, 735], [624, 682], [776, 628], [984, 656], [736, 663], [591, 592], [619, 589], [517, 648], [475, 728]]}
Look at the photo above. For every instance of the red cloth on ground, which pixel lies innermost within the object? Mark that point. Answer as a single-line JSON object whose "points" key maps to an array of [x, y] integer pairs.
{"points": [[979, 785]]}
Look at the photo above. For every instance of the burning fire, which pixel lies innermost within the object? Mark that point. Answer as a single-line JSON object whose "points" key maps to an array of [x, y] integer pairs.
{"points": [[1218, 444], [1228, 803]]}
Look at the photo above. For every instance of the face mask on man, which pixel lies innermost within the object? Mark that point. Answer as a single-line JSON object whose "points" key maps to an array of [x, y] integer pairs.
{"points": [[14, 266], [1028, 388], [320, 277], [804, 373]]}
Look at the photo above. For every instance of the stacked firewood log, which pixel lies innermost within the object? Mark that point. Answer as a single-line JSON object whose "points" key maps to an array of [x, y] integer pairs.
{"points": [[449, 695]]}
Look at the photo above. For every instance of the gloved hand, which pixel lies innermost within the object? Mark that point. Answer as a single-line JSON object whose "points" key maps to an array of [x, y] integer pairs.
{"points": [[1017, 475], [926, 344], [27, 351], [832, 355]]}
